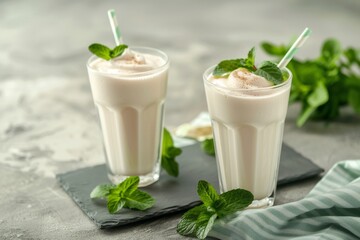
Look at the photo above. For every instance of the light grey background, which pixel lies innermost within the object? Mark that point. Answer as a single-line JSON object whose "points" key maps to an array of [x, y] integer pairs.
{"points": [[48, 121]]}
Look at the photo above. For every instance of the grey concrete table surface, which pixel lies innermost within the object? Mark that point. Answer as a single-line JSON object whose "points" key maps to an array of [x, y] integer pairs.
{"points": [[48, 122]]}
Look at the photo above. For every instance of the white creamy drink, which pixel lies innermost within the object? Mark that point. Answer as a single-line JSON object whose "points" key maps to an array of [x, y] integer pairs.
{"points": [[248, 114], [129, 92]]}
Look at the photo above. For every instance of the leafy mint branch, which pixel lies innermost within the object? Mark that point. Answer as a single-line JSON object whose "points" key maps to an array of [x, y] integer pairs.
{"points": [[124, 195], [266, 69], [105, 52], [168, 155], [199, 220], [322, 85]]}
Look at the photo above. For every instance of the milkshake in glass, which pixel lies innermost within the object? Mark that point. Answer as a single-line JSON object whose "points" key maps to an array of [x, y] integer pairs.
{"points": [[129, 92], [248, 114]]}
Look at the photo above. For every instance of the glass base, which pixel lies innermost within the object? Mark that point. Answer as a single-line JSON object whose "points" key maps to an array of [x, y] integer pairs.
{"points": [[259, 203], [145, 180], [263, 203]]}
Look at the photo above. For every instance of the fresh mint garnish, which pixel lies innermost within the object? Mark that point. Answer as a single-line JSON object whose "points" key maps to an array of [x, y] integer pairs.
{"points": [[208, 146], [270, 71], [168, 155], [224, 68], [118, 50], [102, 190], [124, 195], [250, 61], [267, 69], [105, 52], [199, 220]]}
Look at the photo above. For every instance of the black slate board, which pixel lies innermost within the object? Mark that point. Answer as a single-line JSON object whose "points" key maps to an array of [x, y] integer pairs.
{"points": [[171, 194]]}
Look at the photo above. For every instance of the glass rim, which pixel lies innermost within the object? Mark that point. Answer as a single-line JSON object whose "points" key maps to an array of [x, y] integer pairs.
{"points": [[161, 54], [210, 69]]}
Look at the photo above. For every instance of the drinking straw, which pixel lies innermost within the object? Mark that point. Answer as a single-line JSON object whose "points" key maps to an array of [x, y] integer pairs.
{"points": [[294, 48], [115, 27]]}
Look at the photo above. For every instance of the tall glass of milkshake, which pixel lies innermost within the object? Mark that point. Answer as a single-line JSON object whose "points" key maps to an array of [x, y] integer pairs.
{"points": [[129, 92], [248, 114]]}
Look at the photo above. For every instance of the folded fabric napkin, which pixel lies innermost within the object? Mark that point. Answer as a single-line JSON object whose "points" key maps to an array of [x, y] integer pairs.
{"points": [[330, 211]]}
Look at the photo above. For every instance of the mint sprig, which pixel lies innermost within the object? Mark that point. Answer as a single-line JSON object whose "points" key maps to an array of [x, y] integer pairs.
{"points": [[124, 195], [225, 67], [168, 155], [270, 71], [102, 190], [208, 146], [267, 69], [199, 220], [323, 85], [105, 52]]}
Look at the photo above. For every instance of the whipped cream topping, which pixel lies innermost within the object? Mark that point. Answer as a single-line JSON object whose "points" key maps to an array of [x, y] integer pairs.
{"points": [[242, 79], [129, 62]]}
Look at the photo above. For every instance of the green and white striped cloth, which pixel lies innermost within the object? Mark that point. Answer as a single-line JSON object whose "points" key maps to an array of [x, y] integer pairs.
{"points": [[330, 211]]}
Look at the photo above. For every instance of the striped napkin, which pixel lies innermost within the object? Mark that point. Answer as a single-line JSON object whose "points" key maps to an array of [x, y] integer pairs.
{"points": [[330, 211]]}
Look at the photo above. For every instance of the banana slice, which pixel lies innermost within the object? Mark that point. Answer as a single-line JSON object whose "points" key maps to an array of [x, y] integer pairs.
{"points": [[199, 133]]}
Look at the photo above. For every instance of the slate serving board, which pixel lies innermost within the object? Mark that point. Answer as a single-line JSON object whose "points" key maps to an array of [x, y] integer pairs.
{"points": [[171, 194]]}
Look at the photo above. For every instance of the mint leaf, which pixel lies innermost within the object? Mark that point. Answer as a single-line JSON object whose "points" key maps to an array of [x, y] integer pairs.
{"points": [[124, 194], [236, 200], [167, 142], [188, 222], [207, 193], [309, 71], [115, 203], [168, 154], [274, 50], [319, 96], [250, 61], [170, 166], [199, 220], [270, 72], [128, 186], [196, 222], [353, 56], [102, 191], [173, 151], [100, 50], [205, 223], [208, 146], [227, 66], [331, 51], [219, 204], [139, 200], [105, 52], [118, 50]]}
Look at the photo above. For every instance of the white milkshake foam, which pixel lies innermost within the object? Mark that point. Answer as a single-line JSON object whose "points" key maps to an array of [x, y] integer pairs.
{"points": [[242, 79], [129, 62]]}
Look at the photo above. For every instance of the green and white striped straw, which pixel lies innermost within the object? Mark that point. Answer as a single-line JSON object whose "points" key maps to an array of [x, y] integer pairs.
{"points": [[115, 27], [294, 48]]}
